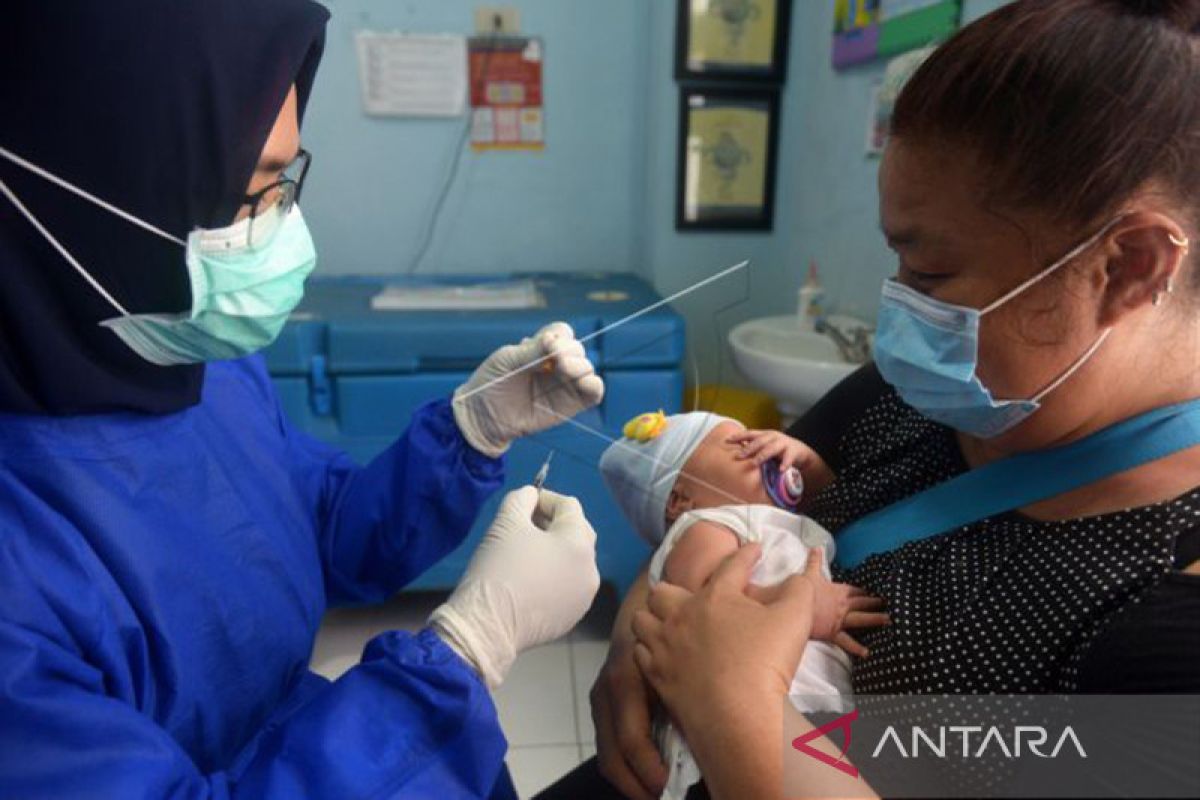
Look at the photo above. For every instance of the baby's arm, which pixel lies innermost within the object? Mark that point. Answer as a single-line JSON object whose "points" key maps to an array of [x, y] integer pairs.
{"points": [[697, 553], [836, 608]]}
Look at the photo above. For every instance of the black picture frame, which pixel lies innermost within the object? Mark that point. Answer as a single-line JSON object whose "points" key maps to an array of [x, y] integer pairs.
{"points": [[714, 71], [691, 213]]}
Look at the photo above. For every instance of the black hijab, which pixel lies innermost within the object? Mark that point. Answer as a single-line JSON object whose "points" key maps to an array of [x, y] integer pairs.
{"points": [[160, 107]]}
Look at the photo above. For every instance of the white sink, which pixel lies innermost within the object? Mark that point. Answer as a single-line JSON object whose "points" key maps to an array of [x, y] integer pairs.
{"points": [[793, 365]]}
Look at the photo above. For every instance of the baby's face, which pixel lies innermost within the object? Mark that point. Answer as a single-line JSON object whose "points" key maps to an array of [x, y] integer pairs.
{"points": [[713, 476]]}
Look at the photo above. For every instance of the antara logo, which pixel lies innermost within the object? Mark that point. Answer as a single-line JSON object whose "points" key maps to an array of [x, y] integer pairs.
{"points": [[801, 743]]}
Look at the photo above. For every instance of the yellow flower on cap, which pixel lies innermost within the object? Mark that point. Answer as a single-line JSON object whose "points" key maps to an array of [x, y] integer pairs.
{"points": [[645, 427]]}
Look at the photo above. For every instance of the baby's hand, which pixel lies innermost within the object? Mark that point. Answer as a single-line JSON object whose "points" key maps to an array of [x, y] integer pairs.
{"points": [[762, 446], [837, 607]]}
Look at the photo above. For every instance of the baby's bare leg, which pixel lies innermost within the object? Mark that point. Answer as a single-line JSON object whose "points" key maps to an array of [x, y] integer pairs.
{"points": [[697, 554]]}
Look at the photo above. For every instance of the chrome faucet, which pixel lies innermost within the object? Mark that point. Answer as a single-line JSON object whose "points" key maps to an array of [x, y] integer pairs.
{"points": [[855, 348]]}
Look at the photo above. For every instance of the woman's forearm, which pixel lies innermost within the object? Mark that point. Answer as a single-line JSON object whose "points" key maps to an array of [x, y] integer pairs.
{"points": [[383, 524], [741, 756]]}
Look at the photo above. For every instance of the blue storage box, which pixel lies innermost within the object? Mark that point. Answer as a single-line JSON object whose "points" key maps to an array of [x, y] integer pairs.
{"points": [[353, 376]]}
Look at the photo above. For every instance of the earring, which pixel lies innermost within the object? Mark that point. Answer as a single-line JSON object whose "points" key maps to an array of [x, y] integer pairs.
{"points": [[1156, 300]]}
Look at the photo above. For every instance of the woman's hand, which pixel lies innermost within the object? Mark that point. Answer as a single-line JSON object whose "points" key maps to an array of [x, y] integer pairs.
{"points": [[710, 650], [524, 388], [622, 703], [762, 446], [723, 663]]}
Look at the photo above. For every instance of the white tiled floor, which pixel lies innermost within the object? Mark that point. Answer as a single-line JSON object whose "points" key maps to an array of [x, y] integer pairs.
{"points": [[537, 701], [543, 705]]}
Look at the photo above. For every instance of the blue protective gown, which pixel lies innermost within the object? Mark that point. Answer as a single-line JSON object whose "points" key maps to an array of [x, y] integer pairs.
{"points": [[161, 583]]}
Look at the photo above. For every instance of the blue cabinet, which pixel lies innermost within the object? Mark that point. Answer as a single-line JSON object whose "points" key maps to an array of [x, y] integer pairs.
{"points": [[352, 376]]}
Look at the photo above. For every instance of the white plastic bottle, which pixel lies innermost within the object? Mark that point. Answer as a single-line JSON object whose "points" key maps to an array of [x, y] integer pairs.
{"points": [[809, 300]]}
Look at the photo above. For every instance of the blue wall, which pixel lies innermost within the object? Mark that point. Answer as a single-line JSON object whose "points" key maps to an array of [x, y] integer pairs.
{"points": [[568, 208], [602, 195]]}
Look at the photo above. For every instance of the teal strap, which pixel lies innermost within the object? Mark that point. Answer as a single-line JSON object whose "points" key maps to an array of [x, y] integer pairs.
{"points": [[1020, 480]]}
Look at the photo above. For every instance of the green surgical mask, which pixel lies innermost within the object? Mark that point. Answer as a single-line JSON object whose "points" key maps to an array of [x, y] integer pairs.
{"points": [[241, 296], [242, 293]]}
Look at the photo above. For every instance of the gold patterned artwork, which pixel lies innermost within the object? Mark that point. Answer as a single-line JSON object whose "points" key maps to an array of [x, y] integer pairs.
{"points": [[735, 32], [726, 154]]}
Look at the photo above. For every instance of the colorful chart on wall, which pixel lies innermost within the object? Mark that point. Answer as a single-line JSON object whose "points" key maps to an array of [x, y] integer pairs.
{"points": [[864, 30], [506, 93]]}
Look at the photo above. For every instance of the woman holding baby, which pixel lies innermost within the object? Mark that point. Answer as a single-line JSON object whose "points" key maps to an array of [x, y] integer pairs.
{"points": [[1040, 193]]}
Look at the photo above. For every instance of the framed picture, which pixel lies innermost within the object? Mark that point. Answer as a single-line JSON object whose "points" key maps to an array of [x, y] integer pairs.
{"points": [[864, 30], [732, 40], [727, 151]]}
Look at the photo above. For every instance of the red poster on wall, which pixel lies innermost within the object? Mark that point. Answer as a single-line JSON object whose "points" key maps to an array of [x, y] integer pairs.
{"points": [[506, 93]]}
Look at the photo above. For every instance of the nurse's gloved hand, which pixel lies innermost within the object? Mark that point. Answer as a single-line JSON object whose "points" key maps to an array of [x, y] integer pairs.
{"points": [[527, 387], [531, 579]]}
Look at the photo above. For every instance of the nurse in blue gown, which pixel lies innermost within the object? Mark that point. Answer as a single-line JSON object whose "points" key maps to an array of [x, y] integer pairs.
{"points": [[168, 541]]}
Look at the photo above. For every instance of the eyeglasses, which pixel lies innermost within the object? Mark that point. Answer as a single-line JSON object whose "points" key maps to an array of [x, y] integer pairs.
{"points": [[270, 205]]}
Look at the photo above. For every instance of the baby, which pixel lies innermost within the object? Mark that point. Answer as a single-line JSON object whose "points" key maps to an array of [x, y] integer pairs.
{"points": [[698, 486]]}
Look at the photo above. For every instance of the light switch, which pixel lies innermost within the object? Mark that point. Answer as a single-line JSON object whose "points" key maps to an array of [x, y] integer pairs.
{"points": [[508, 17]]}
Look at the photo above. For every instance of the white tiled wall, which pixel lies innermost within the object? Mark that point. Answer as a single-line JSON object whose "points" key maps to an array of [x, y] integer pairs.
{"points": [[543, 705]]}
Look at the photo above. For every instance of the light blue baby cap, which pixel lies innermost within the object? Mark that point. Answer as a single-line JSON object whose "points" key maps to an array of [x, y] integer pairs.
{"points": [[640, 468]]}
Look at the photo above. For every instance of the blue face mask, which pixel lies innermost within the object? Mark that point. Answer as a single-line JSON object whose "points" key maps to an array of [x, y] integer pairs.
{"points": [[929, 351]]}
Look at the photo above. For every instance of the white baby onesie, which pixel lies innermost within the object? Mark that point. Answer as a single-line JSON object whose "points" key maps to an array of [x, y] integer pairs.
{"points": [[786, 538]]}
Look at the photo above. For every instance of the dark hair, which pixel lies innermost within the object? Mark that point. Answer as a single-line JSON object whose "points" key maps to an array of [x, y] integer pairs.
{"points": [[1069, 105]]}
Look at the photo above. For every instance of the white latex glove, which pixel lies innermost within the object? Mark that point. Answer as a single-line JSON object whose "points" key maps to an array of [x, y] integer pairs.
{"points": [[531, 579], [507, 398]]}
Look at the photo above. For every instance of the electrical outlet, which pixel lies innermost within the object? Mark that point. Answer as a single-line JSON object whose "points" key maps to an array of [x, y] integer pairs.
{"points": [[508, 17]]}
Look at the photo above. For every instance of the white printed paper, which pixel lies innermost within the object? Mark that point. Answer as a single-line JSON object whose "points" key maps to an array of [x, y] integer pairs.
{"points": [[406, 75]]}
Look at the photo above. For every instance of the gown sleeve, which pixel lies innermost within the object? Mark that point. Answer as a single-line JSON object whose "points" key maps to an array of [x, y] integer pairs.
{"points": [[411, 720], [383, 524]]}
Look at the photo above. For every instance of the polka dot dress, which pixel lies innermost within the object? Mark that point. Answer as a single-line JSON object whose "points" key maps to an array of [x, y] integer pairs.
{"points": [[1007, 604]]}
